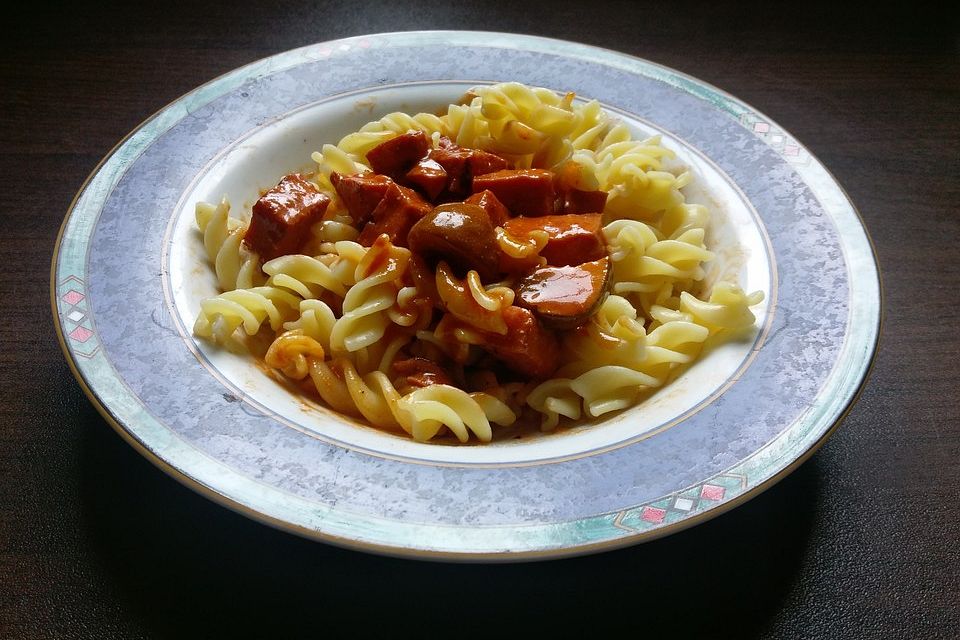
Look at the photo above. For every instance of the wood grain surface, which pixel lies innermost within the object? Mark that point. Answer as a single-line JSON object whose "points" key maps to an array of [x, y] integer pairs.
{"points": [[862, 541]]}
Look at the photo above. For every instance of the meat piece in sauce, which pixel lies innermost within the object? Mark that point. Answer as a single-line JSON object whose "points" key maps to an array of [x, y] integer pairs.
{"points": [[396, 213], [527, 348], [577, 201], [575, 196], [494, 208], [565, 297], [421, 372], [428, 176], [525, 192], [463, 165], [282, 217], [361, 193], [572, 238], [396, 156], [461, 234]]}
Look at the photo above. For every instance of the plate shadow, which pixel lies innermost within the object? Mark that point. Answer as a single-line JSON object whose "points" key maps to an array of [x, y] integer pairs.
{"points": [[191, 568]]}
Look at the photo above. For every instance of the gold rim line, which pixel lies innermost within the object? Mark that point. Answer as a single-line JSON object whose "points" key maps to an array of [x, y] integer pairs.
{"points": [[627, 540]]}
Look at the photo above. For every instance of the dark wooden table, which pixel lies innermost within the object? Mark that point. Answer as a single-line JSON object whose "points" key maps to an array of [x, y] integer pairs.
{"points": [[863, 541]]}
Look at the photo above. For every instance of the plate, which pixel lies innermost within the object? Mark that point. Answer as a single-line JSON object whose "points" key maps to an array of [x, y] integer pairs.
{"points": [[129, 271]]}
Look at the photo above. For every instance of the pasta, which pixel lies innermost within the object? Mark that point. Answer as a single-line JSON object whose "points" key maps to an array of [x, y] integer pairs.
{"points": [[517, 260], [235, 266], [378, 281]]}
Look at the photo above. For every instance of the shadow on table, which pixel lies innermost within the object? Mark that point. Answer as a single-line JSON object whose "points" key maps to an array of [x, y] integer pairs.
{"points": [[188, 567]]}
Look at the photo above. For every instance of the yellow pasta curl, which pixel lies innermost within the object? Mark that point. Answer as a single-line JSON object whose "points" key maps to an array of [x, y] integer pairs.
{"points": [[236, 267], [291, 351], [366, 303]]}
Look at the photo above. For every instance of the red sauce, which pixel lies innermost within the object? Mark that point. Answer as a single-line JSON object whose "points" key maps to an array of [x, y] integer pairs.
{"points": [[572, 238], [565, 296]]}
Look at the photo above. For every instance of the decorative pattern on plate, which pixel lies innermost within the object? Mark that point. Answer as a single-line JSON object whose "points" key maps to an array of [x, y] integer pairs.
{"points": [[75, 318], [681, 505], [778, 139]]}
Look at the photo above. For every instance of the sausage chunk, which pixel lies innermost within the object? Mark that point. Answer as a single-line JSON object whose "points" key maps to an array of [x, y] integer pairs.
{"points": [[494, 208], [528, 347], [462, 165], [397, 155], [564, 297], [428, 176], [577, 201], [282, 217], [421, 372], [461, 234], [525, 192], [361, 193], [572, 238], [399, 210]]}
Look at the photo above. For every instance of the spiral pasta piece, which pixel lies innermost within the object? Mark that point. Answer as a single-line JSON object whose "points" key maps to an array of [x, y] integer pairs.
{"points": [[398, 122], [553, 399], [336, 229], [291, 351], [365, 306], [614, 336], [669, 345], [331, 385], [727, 308], [411, 309], [645, 264], [682, 218], [470, 302], [316, 321], [303, 275], [235, 266], [221, 315], [496, 410], [430, 408], [422, 413], [610, 388]]}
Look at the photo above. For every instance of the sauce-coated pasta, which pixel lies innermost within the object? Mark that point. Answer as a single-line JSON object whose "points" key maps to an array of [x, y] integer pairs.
{"points": [[518, 259]]}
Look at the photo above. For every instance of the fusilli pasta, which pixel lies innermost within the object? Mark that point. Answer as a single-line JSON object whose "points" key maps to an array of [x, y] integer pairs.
{"points": [[417, 344], [235, 266]]}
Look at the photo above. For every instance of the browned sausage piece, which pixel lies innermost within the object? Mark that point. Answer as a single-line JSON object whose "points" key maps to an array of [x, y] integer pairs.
{"points": [[462, 165], [572, 238], [494, 208], [421, 372], [399, 210], [527, 347], [397, 155], [361, 193], [577, 201], [564, 297], [461, 234], [428, 176], [282, 217], [525, 192]]}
